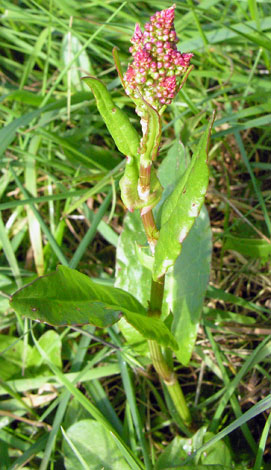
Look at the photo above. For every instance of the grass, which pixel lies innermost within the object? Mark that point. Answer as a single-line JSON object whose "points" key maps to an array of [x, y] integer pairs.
{"points": [[59, 203]]}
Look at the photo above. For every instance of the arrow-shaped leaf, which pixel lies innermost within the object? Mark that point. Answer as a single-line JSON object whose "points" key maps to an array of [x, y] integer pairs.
{"points": [[180, 210], [67, 297]]}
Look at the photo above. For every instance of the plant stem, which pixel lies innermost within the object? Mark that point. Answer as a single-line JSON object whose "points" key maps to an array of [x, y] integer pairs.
{"points": [[165, 372], [150, 229], [145, 177], [157, 294], [171, 382]]}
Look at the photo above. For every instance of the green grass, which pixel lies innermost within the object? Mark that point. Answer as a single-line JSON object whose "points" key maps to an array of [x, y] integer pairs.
{"points": [[59, 203]]}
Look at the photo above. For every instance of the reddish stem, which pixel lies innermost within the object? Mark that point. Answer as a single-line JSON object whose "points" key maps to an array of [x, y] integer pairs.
{"points": [[145, 177], [150, 228]]}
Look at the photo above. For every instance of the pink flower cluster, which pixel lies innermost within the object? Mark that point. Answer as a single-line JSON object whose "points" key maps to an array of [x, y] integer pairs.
{"points": [[157, 65]]}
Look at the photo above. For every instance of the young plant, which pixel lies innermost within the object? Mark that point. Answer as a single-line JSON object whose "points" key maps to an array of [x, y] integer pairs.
{"points": [[66, 297]]}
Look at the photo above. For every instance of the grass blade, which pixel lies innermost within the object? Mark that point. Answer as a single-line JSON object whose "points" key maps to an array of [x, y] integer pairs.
{"points": [[135, 463], [54, 245], [262, 444], [88, 237], [254, 181]]}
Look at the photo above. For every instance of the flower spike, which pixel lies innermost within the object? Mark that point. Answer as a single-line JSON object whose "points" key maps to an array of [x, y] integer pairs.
{"points": [[157, 66]]}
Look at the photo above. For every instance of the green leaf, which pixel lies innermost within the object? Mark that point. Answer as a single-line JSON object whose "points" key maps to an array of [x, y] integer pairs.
{"points": [[132, 336], [173, 454], [12, 351], [51, 343], [218, 317], [152, 328], [187, 285], [129, 187], [171, 169], [217, 454], [128, 184], [151, 125], [144, 257], [182, 208], [117, 122], [218, 458], [173, 165], [131, 275], [68, 297], [89, 446], [252, 248]]}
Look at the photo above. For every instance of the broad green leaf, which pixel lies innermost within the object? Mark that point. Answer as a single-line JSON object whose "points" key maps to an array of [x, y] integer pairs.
{"points": [[51, 343], [171, 169], [184, 302], [68, 297], [173, 165], [173, 454], [219, 316], [135, 278], [11, 356], [187, 285], [89, 446], [219, 453], [11, 350], [117, 122], [144, 257], [75, 412], [132, 336], [152, 328], [131, 275], [218, 458], [182, 208], [250, 247]]}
